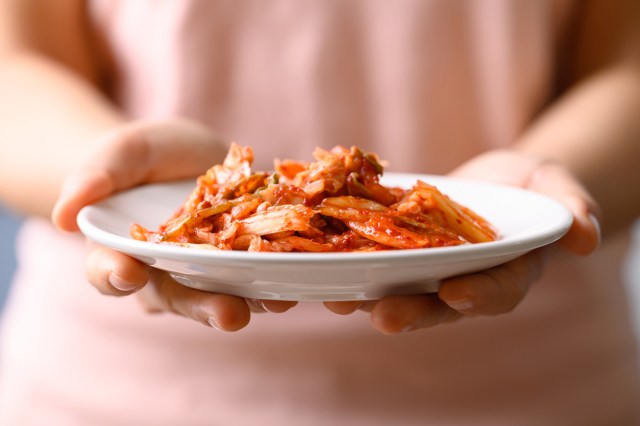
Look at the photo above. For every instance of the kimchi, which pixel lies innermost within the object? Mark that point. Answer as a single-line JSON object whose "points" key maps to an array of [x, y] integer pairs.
{"points": [[335, 204]]}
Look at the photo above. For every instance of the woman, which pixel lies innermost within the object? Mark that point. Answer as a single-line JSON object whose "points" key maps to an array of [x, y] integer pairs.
{"points": [[542, 95]]}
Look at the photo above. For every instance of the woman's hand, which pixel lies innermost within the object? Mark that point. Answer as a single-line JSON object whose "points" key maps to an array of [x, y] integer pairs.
{"points": [[135, 154], [497, 290]]}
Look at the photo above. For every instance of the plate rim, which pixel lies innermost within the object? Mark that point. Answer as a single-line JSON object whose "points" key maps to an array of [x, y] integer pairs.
{"points": [[475, 251]]}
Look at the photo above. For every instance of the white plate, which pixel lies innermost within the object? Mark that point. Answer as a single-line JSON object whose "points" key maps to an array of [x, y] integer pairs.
{"points": [[524, 219]]}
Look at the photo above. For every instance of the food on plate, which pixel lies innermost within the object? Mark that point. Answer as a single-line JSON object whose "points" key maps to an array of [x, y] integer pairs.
{"points": [[334, 204]]}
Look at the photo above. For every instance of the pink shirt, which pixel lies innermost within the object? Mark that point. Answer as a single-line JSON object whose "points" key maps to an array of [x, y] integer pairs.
{"points": [[426, 84]]}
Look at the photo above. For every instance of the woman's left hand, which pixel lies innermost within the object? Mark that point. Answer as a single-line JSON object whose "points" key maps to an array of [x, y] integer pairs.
{"points": [[500, 289]]}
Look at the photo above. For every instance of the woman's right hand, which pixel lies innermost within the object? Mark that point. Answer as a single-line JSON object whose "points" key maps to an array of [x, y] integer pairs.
{"points": [[135, 154]]}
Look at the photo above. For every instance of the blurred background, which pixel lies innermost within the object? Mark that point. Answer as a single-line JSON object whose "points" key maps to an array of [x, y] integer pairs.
{"points": [[8, 227], [632, 275]]}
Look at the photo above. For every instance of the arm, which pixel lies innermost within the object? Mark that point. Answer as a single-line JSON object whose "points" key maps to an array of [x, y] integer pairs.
{"points": [[65, 142], [583, 150], [594, 128], [51, 102]]}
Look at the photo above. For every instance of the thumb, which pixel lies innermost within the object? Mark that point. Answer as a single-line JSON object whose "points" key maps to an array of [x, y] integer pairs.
{"points": [[134, 154], [80, 189], [584, 235]]}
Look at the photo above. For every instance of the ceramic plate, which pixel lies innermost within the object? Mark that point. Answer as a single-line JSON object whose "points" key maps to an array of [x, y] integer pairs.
{"points": [[524, 219]]}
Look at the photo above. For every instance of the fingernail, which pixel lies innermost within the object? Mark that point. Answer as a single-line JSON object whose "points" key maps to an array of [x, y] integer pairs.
{"points": [[461, 305], [276, 309], [256, 306], [266, 308], [120, 283], [212, 322]]}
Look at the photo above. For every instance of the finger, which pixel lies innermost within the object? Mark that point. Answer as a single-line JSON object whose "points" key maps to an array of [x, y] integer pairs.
{"points": [[220, 311], [138, 153], [255, 306], [501, 166], [344, 308], [368, 305], [584, 235], [258, 306], [278, 306], [114, 273], [397, 314], [121, 160], [548, 178], [79, 190], [494, 291]]}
